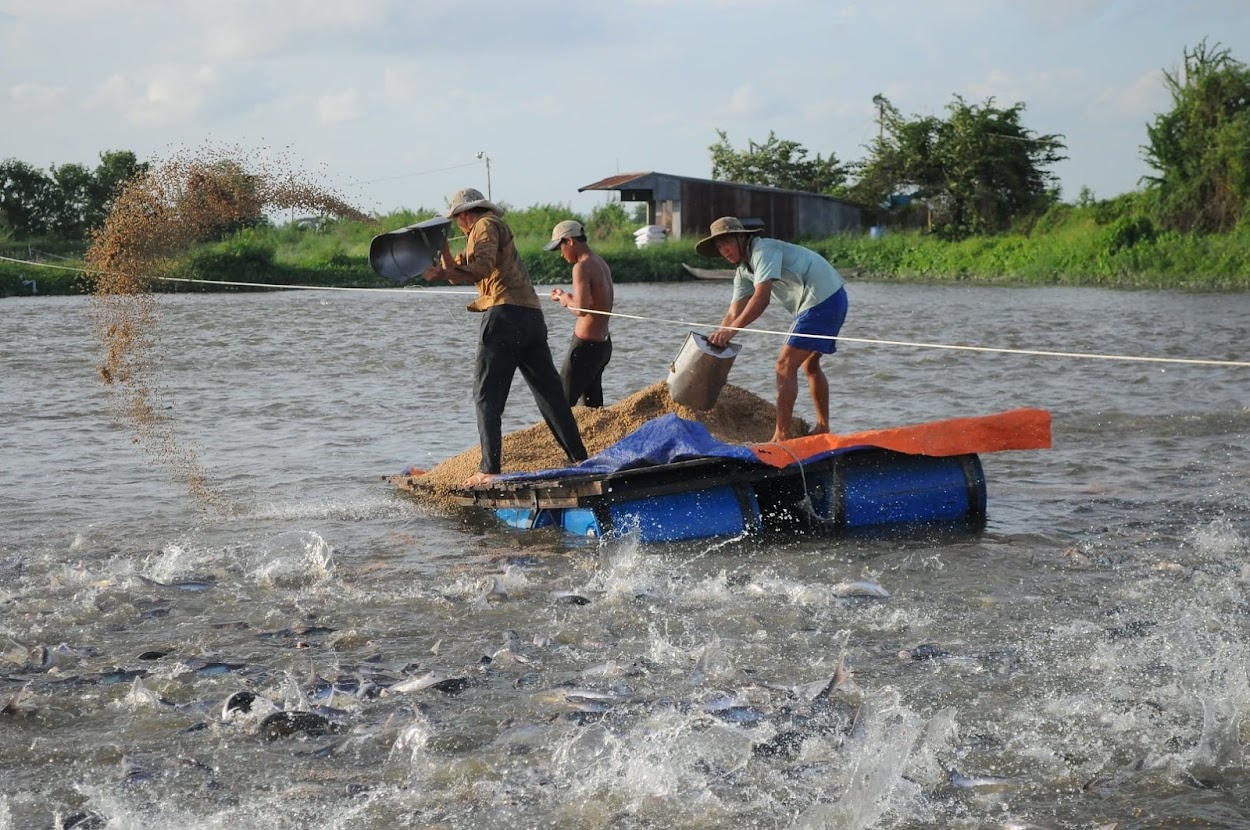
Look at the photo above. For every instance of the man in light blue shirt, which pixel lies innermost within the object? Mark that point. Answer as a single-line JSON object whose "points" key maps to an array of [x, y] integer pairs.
{"points": [[806, 285]]}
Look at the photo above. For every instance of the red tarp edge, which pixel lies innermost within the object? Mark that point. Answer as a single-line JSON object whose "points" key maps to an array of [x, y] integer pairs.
{"points": [[1017, 429]]}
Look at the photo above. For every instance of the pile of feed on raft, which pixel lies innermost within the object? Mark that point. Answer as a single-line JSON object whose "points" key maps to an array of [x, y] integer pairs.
{"points": [[739, 417]]}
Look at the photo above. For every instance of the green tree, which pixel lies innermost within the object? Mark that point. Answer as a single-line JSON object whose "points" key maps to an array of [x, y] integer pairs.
{"points": [[609, 221], [116, 169], [776, 163], [27, 199], [66, 202], [978, 170], [1201, 148], [218, 199], [70, 195]]}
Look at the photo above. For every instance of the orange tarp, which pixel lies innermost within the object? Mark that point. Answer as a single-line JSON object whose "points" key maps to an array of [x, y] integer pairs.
{"points": [[1018, 429]]}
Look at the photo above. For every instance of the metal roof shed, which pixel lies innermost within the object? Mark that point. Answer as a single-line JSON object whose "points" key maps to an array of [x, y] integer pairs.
{"points": [[686, 206]]}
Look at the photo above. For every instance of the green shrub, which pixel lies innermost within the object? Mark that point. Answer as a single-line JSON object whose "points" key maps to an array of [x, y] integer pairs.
{"points": [[247, 256], [1128, 231]]}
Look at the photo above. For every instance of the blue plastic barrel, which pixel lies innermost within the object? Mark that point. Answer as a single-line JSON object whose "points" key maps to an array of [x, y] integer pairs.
{"points": [[878, 487]]}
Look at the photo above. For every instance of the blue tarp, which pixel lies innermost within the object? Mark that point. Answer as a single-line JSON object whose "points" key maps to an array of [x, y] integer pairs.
{"points": [[663, 440]]}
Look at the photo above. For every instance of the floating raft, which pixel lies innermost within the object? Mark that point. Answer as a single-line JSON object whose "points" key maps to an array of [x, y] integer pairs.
{"points": [[670, 480]]}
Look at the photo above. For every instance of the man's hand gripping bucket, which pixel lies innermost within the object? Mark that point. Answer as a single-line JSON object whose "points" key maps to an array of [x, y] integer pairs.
{"points": [[699, 371]]}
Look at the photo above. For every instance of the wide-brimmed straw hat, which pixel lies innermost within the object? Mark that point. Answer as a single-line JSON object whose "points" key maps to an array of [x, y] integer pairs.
{"points": [[723, 226], [471, 199]]}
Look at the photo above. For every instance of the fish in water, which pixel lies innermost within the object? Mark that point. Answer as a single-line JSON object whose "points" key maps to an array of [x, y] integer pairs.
{"points": [[295, 632], [284, 724], [978, 782], [924, 651], [113, 676], [513, 650], [860, 589], [15, 705], [82, 820], [823, 688], [727, 709], [238, 703], [432, 679], [140, 696], [496, 593], [188, 585], [58, 657], [211, 667]]}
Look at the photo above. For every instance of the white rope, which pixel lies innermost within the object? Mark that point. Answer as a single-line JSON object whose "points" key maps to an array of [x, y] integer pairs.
{"points": [[1190, 361], [844, 338], [257, 284], [413, 290]]}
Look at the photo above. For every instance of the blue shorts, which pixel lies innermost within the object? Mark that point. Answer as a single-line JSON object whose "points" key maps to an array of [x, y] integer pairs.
{"points": [[824, 319]]}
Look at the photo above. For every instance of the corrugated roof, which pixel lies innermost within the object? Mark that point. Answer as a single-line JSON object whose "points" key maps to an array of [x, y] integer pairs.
{"points": [[619, 182], [614, 182]]}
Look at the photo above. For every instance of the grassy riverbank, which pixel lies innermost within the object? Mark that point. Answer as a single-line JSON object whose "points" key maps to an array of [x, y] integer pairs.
{"points": [[1105, 244], [1075, 250]]}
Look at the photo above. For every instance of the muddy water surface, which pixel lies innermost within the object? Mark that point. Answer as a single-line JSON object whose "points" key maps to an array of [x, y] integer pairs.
{"points": [[1080, 663]]}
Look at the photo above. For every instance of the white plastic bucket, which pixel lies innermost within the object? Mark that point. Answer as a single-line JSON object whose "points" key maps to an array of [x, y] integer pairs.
{"points": [[699, 371]]}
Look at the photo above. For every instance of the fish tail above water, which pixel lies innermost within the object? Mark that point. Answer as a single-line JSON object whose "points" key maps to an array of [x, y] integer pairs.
{"points": [[15, 705]]}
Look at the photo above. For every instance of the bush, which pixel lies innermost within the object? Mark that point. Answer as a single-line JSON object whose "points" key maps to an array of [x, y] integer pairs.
{"points": [[244, 257], [535, 223], [1127, 231], [610, 223]]}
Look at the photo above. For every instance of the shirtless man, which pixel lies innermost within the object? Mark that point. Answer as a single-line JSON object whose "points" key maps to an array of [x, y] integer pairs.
{"points": [[590, 348]]}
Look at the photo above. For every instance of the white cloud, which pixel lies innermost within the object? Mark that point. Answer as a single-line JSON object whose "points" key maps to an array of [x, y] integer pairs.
{"points": [[247, 29], [1033, 88], [746, 101], [340, 107], [1141, 98], [168, 95], [1065, 14], [38, 96]]}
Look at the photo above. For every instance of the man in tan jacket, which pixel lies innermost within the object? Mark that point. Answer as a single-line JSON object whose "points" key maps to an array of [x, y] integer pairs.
{"points": [[513, 330]]}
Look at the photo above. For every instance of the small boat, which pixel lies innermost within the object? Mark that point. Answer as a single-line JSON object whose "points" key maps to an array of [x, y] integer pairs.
{"points": [[670, 480], [709, 273], [847, 272]]}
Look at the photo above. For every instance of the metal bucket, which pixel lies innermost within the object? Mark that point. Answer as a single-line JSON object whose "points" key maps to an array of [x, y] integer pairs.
{"points": [[403, 254], [699, 371]]}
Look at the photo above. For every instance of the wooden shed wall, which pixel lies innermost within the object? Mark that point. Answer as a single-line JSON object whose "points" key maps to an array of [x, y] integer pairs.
{"points": [[785, 215]]}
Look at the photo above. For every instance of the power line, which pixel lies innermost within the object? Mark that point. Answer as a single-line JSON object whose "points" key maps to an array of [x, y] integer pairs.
{"points": [[419, 173]]}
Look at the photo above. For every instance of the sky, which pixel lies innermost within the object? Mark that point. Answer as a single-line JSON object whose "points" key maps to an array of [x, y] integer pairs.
{"points": [[389, 103]]}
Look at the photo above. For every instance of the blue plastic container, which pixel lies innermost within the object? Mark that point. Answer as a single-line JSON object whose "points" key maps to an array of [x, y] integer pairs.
{"points": [[718, 511], [886, 488], [697, 514], [525, 518], [867, 488]]}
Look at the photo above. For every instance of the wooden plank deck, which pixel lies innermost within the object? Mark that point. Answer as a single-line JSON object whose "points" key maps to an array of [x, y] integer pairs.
{"points": [[588, 490]]}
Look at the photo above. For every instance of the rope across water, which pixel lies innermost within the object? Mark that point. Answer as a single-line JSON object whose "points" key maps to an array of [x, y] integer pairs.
{"points": [[841, 338]]}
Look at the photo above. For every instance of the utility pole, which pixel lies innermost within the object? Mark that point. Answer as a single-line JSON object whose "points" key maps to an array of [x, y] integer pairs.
{"points": [[482, 155]]}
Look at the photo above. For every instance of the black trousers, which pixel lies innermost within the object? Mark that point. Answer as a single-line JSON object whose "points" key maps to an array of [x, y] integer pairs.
{"points": [[582, 374], [514, 337]]}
